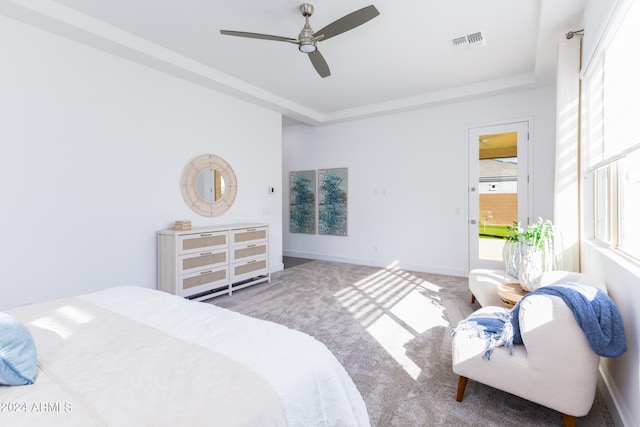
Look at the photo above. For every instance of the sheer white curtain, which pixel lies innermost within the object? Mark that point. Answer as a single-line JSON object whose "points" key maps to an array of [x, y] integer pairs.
{"points": [[567, 170]]}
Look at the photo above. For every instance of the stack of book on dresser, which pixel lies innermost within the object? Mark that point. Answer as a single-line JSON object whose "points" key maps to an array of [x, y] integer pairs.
{"points": [[182, 225]]}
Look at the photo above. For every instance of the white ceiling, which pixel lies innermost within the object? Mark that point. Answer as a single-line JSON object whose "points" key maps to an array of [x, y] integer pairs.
{"points": [[400, 60]]}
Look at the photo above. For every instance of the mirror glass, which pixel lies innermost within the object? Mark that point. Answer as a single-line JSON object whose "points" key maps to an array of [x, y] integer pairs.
{"points": [[208, 185]]}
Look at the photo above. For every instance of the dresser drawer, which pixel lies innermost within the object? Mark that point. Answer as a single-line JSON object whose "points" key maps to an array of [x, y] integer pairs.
{"points": [[248, 252], [249, 235], [201, 261], [247, 270], [202, 242], [204, 281]]}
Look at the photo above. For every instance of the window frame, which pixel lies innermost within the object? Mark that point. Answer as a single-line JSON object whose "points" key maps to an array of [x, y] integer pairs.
{"points": [[605, 153]]}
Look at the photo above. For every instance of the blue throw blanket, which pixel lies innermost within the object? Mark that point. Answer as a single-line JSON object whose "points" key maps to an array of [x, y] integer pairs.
{"points": [[594, 311]]}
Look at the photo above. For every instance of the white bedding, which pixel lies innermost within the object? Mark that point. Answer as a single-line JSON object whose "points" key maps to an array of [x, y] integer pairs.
{"points": [[257, 367]]}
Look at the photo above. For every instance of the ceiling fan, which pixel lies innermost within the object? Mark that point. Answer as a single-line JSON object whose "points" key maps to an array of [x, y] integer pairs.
{"points": [[307, 40]]}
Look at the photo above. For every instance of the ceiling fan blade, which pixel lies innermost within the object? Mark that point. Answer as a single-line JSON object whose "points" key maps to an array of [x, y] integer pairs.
{"points": [[348, 22], [319, 64], [258, 36]]}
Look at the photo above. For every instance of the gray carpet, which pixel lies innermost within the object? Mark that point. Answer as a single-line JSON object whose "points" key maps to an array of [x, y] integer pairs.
{"points": [[391, 331], [293, 261]]}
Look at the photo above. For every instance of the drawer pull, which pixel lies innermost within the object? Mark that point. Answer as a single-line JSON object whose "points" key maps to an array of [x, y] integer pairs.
{"points": [[251, 246], [249, 230], [249, 262], [206, 272], [206, 253], [206, 234]]}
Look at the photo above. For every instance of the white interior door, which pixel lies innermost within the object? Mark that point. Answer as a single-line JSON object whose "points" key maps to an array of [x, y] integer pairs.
{"points": [[498, 189]]}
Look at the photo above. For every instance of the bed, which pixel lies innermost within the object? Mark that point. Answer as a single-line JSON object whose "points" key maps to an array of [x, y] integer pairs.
{"points": [[130, 356]]}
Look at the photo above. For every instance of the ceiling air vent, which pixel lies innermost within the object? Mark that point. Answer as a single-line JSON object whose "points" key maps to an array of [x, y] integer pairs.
{"points": [[469, 40]]}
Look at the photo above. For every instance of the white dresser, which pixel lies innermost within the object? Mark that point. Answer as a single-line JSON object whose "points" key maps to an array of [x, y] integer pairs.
{"points": [[205, 262]]}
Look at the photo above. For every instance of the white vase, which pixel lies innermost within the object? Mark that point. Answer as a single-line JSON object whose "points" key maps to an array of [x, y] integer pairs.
{"points": [[511, 255], [531, 268]]}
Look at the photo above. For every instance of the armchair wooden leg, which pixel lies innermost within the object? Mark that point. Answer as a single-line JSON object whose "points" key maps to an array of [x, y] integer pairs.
{"points": [[473, 298], [569, 420], [462, 384]]}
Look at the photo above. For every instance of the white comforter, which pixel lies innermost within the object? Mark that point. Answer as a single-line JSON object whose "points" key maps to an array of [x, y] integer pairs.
{"points": [[291, 377]]}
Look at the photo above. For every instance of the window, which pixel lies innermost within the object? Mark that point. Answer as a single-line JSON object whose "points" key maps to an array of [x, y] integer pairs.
{"points": [[629, 204], [612, 140]]}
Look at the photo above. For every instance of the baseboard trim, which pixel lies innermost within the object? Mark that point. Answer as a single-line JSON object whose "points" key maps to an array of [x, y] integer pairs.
{"points": [[434, 269], [620, 414]]}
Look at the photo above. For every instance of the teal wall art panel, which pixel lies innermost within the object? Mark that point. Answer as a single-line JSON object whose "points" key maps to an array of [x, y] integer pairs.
{"points": [[332, 201], [302, 202]]}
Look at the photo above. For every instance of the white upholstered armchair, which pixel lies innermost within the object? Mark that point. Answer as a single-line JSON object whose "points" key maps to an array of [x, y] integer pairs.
{"points": [[555, 367]]}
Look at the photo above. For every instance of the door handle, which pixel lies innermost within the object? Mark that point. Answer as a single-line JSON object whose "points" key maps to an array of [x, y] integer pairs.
{"points": [[473, 221]]}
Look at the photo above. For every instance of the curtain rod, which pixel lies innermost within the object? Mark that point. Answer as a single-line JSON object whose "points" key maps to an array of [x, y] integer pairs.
{"points": [[570, 34]]}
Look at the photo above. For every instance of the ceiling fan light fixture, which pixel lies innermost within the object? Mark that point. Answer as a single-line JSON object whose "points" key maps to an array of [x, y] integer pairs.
{"points": [[307, 47]]}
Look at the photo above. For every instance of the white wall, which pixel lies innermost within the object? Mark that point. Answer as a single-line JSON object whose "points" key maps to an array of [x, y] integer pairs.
{"points": [[408, 180], [621, 375], [91, 151]]}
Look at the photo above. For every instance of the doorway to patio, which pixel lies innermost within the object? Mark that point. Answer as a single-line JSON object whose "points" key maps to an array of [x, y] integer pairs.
{"points": [[498, 188]]}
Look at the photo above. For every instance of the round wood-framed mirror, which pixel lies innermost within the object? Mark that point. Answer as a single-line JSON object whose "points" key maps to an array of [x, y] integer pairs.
{"points": [[208, 185]]}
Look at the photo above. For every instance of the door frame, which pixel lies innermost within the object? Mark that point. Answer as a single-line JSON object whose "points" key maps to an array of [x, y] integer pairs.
{"points": [[525, 182]]}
